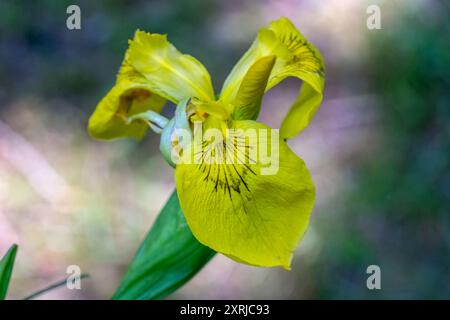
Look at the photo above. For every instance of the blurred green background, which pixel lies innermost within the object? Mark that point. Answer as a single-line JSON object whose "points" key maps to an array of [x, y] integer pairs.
{"points": [[378, 148]]}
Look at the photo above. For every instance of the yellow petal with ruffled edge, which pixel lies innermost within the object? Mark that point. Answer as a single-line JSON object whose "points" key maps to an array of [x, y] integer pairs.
{"points": [[153, 70], [234, 209], [251, 91], [296, 57], [169, 73]]}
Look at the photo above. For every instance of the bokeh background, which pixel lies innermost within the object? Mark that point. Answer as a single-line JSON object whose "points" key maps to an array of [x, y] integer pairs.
{"points": [[378, 148]]}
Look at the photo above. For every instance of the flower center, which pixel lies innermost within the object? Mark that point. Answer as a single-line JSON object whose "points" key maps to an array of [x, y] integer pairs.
{"points": [[199, 110]]}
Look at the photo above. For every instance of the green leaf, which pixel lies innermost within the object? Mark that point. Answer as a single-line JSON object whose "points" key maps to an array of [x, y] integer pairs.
{"points": [[6, 267], [169, 256]]}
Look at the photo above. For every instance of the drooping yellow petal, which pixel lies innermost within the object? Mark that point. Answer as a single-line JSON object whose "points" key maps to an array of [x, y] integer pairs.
{"points": [[169, 73], [237, 210], [130, 95], [153, 70], [296, 57]]}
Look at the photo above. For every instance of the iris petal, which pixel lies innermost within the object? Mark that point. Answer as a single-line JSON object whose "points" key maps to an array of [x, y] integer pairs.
{"points": [[296, 57], [249, 97], [110, 118], [234, 209], [171, 74], [153, 70]]}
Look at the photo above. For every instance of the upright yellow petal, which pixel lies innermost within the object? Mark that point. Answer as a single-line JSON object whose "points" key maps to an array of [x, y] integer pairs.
{"points": [[249, 96], [296, 57], [169, 73], [237, 210]]}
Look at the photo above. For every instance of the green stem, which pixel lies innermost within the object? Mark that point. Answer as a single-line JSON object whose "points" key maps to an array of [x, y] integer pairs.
{"points": [[52, 286]]}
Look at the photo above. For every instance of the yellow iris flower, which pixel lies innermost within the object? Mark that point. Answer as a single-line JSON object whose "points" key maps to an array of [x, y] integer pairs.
{"points": [[231, 207]]}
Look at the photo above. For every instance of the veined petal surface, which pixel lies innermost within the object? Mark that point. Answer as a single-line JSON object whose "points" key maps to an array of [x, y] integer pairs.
{"points": [[236, 210]]}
